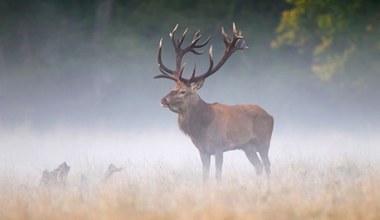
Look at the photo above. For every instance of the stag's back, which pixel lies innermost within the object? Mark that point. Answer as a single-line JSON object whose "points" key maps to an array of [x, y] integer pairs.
{"points": [[235, 126]]}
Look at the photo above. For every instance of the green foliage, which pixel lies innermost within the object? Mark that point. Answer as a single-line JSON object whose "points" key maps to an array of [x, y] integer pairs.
{"points": [[47, 33], [336, 33]]}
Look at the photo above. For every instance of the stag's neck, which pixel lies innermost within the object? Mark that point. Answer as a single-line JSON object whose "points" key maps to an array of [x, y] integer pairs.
{"points": [[196, 119]]}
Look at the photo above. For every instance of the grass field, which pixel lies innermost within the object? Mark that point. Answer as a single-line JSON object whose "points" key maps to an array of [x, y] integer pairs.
{"points": [[298, 190], [327, 176]]}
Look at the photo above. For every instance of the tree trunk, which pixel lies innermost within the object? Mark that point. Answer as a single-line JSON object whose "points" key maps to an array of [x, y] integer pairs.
{"points": [[102, 20]]}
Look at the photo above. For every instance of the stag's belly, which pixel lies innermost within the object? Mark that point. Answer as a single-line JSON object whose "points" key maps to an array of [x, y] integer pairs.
{"points": [[212, 145], [216, 139]]}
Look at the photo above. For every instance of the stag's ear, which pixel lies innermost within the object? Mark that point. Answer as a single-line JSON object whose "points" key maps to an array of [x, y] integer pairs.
{"points": [[197, 85]]}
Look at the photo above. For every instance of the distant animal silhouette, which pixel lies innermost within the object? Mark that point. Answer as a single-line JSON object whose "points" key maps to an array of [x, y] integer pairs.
{"points": [[110, 171], [56, 177]]}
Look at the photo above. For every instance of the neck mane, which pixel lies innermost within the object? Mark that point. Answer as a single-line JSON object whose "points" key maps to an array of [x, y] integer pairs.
{"points": [[196, 119]]}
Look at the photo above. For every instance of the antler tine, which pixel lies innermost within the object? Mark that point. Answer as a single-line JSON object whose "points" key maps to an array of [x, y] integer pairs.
{"points": [[171, 34], [200, 46], [226, 38], [194, 70], [160, 64], [164, 74], [174, 41], [194, 45], [204, 43], [236, 34], [196, 37], [234, 31], [192, 78], [209, 70], [183, 37], [181, 72]]}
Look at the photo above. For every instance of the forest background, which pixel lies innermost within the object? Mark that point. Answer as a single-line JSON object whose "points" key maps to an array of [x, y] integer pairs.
{"points": [[310, 63]]}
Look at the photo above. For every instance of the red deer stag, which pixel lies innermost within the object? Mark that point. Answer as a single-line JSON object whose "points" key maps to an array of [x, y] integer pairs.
{"points": [[215, 128]]}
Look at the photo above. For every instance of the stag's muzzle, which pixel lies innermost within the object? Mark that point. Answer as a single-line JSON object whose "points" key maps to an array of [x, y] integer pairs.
{"points": [[164, 103]]}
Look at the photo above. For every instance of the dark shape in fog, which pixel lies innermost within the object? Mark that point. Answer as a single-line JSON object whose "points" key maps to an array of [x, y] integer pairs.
{"points": [[215, 128], [110, 171], [56, 177]]}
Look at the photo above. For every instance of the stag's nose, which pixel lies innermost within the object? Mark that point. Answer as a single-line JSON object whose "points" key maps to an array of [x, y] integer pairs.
{"points": [[164, 102]]}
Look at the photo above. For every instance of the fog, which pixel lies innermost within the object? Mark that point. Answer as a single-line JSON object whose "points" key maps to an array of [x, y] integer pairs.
{"points": [[113, 115], [27, 152], [102, 106]]}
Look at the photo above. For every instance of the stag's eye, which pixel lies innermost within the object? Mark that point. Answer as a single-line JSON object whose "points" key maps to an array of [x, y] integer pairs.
{"points": [[182, 92]]}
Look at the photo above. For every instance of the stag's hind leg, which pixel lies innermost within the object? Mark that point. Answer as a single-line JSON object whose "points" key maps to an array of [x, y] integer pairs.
{"points": [[265, 158], [218, 165], [255, 161]]}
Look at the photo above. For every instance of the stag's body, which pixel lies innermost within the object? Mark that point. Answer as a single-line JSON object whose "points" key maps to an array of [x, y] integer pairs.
{"points": [[216, 128]]}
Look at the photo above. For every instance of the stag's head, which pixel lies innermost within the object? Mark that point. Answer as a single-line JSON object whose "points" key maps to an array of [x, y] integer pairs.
{"points": [[183, 95]]}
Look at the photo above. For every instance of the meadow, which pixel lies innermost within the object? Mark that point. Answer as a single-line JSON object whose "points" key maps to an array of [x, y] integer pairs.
{"points": [[305, 184], [297, 190]]}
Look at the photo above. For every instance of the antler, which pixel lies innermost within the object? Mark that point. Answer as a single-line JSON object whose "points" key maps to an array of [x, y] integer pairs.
{"points": [[176, 74], [233, 43]]}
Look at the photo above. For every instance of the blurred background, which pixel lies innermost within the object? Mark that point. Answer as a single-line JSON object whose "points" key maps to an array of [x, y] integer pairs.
{"points": [[72, 72]]}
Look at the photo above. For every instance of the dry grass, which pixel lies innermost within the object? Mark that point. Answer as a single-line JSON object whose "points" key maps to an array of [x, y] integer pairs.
{"points": [[298, 190]]}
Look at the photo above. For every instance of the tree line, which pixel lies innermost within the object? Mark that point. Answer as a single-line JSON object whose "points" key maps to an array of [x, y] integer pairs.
{"points": [[336, 35]]}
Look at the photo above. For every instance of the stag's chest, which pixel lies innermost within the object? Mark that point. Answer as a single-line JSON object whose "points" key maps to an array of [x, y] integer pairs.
{"points": [[195, 124], [194, 128], [201, 130]]}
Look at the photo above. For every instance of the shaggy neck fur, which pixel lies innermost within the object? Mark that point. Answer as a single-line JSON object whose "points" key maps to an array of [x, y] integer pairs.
{"points": [[196, 119]]}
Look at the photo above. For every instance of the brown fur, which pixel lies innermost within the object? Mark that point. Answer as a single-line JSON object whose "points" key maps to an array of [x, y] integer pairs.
{"points": [[196, 120]]}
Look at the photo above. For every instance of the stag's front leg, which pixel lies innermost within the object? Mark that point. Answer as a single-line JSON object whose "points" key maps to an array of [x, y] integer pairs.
{"points": [[205, 157], [218, 165]]}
